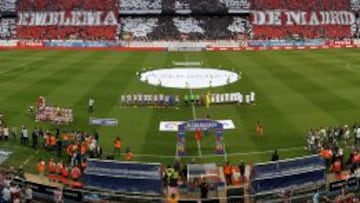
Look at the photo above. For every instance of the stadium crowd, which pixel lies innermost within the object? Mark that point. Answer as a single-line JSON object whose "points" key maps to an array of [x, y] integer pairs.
{"points": [[184, 28], [330, 142], [307, 31], [8, 5], [7, 28]]}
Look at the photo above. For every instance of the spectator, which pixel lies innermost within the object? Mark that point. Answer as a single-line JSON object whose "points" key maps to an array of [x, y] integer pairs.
{"points": [[28, 194], [242, 167], [58, 195], [204, 190], [6, 195]]}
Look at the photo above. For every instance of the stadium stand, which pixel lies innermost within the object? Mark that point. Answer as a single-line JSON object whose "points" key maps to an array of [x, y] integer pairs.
{"points": [[355, 5], [140, 6], [183, 28], [7, 6], [7, 28]]}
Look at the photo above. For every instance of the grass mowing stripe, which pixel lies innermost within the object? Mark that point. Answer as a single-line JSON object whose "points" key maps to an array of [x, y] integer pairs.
{"points": [[266, 104], [320, 96], [321, 77]]}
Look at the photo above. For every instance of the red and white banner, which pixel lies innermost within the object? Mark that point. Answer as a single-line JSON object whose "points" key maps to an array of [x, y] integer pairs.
{"points": [[70, 19], [303, 19]]}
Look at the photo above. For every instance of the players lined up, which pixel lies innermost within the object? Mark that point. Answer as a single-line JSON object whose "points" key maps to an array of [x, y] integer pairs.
{"points": [[149, 100]]}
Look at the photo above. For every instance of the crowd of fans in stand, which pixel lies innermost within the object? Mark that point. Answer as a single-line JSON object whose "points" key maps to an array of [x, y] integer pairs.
{"points": [[321, 31], [7, 28], [67, 32], [183, 28], [7, 5], [12, 191], [330, 142]]}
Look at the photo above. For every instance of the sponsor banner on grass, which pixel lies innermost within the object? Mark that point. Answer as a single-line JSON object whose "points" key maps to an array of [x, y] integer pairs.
{"points": [[285, 43], [103, 121], [172, 126], [127, 177]]}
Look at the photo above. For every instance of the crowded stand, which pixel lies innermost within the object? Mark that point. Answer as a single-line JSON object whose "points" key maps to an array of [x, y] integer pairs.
{"points": [[7, 5], [355, 5], [7, 28], [183, 28], [138, 27], [67, 20], [140, 6], [326, 27]]}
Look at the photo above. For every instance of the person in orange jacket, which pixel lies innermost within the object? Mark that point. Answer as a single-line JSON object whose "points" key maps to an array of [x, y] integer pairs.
{"points": [[41, 167], [117, 146], [52, 166], [65, 138], [128, 155], [65, 173], [59, 167], [228, 173], [52, 141], [75, 173]]}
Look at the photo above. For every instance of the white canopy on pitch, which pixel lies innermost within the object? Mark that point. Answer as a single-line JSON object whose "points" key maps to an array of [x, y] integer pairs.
{"points": [[185, 78]]}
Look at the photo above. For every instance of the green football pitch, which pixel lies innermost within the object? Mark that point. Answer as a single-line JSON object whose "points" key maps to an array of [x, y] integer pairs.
{"points": [[295, 91]]}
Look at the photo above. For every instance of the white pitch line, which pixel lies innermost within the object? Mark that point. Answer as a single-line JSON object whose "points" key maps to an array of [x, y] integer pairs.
{"points": [[227, 154]]}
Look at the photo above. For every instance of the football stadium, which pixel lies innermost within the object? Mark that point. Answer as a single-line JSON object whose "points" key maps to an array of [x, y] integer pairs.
{"points": [[183, 101]]}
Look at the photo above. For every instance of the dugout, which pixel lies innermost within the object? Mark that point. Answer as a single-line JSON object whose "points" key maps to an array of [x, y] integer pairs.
{"points": [[300, 175]]}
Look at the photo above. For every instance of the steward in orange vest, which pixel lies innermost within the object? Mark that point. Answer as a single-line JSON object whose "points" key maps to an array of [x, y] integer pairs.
{"points": [[41, 167], [75, 173], [128, 154], [228, 173], [52, 166], [117, 146]]}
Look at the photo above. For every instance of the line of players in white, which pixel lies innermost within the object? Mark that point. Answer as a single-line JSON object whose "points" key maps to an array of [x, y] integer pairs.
{"points": [[171, 100]]}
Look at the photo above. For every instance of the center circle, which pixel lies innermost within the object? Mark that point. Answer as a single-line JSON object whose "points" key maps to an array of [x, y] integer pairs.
{"points": [[185, 78]]}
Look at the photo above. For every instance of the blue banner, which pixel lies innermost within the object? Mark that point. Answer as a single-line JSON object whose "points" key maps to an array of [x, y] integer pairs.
{"points": [[103, 121], [285, 43], [84, 44], [124, 177]]}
